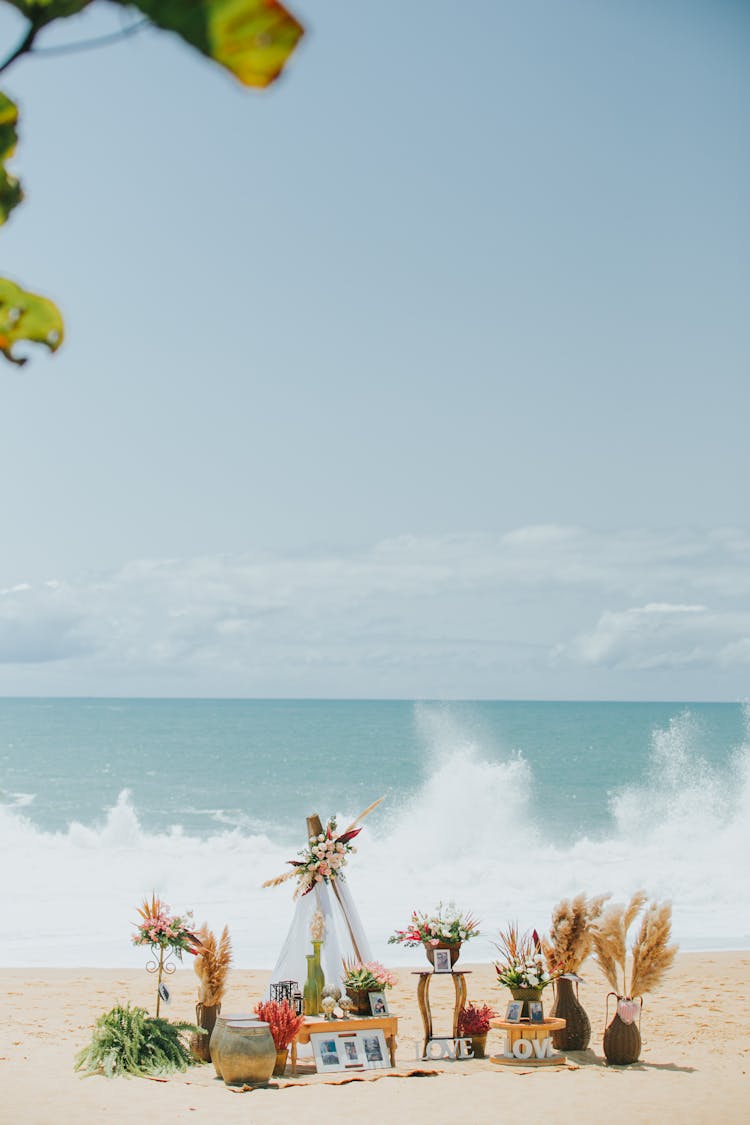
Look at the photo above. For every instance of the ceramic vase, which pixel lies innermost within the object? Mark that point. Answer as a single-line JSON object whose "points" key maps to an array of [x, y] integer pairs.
{"points": [[454, 950]]}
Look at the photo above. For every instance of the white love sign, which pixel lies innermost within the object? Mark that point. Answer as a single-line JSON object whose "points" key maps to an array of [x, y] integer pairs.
{"points": [[448, 1049], [524, 1049]]}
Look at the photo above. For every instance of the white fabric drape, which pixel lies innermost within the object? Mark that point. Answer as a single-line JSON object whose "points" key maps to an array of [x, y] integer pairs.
{"points": [[344, 935]]}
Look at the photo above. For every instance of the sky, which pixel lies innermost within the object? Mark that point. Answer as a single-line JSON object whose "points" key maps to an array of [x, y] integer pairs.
{"points": [[423, 374]]}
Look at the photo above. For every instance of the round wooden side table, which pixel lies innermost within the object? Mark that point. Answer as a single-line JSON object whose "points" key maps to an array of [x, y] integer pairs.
{"points": [[528, 1044]]}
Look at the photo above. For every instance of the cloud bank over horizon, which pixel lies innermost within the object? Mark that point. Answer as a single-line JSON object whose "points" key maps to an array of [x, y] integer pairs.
{"points": [[544, 611]]}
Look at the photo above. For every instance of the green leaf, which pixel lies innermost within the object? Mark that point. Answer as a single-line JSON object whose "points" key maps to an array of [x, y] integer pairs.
{"points": [[40, 12], [251, 38], [26, 316], [10, 189]]}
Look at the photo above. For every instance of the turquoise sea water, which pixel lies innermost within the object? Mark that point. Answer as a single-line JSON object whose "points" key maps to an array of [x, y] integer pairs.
{"points": [[131, 792]]}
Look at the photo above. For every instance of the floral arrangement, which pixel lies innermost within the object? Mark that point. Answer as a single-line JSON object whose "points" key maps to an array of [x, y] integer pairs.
{"points": [[571, 935], [367, 976], [167, 931], [652, 953], [445, 926], [522, 960], [474, 1019], [282, 1020]]}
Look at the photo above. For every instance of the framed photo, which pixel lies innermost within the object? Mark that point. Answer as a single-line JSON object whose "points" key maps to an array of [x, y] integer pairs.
{"points": [[513, 1011], [375, 1050], [378, 1004], [536, 1011], [337, 1051], [442, 961]]}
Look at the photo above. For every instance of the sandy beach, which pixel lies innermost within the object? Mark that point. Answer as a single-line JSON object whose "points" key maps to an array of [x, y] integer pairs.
{"points": [[693, 1069]]}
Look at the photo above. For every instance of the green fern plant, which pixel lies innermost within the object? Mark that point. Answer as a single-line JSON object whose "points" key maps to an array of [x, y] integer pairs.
{"points": [[128, 1041]]}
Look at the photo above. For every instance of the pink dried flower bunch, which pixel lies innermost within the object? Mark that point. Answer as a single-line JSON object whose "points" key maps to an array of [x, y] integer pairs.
{"points": [[281, 1018]]}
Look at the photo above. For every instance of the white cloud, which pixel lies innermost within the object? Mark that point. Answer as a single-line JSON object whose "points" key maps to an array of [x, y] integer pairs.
{"points": [[458, 614]]}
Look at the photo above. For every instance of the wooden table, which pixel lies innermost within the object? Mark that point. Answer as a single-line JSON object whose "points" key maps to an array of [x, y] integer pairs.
{"points": [[543, 1054], [314, 1024], [423, 999]]}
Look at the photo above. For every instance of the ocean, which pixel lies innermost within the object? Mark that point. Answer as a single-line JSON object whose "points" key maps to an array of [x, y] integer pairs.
{"points": [[500, 807]]}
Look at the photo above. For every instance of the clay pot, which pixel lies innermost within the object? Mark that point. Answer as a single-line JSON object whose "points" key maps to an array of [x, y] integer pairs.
{"points": [[479, 1045], [360, 999], [454, 950], [280, 1067], [576, 1034], [622, 1038], [242, 1050], [219, 1033]]}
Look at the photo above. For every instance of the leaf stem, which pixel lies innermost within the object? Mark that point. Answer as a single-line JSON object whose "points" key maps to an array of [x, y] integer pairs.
{"points": [[23, 48]]}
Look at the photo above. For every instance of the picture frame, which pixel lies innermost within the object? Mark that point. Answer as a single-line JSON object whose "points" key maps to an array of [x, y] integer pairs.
{"points": [[513, 1011], [442, 961], [374, 1049], [337, 1050], [536, 1011], [378, 1004]]}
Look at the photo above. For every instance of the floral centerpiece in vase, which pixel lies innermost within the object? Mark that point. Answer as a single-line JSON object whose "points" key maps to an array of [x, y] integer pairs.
{"points": [[446, 928], [521, 966], [474, 1023], [363, 977], [168, 935]]}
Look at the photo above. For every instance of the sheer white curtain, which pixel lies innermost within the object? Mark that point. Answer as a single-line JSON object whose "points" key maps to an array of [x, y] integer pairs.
{"points": [[344, 936]]}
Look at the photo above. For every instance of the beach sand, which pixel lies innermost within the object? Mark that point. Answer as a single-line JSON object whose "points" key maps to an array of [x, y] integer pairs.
{"points": [[694, 1067]]}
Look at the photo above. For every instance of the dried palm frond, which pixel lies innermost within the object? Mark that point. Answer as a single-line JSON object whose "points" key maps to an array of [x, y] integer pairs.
{"points": [[280, 879], [652, 953], [212, 965], [570, 938], [362, 815]]}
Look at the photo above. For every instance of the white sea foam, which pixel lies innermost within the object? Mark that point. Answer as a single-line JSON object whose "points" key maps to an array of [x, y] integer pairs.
{"points": [[472, 834]]}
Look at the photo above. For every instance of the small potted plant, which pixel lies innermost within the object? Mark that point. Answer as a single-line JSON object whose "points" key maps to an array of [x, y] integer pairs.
{"points": [[474, 1023], [446, 928], [521, 967], [284, 1024], [363, 977]]}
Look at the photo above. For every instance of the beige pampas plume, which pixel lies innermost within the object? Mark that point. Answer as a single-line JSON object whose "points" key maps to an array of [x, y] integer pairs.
{"points": [[571, 939], [318, 926], [652, 953], [212, 965]]}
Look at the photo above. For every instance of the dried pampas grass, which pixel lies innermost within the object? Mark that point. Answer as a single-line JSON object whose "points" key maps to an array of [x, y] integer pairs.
{"points": [[570, 937], [212, 965], [652, 955]]}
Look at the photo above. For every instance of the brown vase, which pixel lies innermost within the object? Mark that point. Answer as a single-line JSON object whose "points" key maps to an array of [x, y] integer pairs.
{"points": [[360, 999], [622, 1040], [576, 1034], [280, 1067], [205, 1017], [454, 950], [479, 1045]]}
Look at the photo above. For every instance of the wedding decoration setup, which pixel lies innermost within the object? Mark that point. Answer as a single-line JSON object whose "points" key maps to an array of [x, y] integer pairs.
{"points": [[167, 935], [569, 944], [211, 965], [652, 956], [322, 887], [446, 928]]}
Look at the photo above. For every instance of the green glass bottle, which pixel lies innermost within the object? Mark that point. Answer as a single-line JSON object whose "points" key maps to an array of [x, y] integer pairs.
{"points": [[311, 991], [319, 976]]}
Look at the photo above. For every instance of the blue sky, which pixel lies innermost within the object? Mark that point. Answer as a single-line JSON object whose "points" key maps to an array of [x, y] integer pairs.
{"points": [[464, 280]]}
